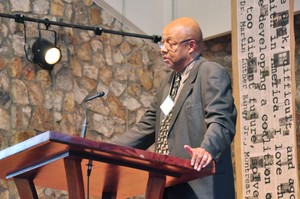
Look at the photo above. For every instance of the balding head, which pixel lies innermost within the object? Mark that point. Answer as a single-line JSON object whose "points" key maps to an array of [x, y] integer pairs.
{"points": [[184, 28], [181, 43]]}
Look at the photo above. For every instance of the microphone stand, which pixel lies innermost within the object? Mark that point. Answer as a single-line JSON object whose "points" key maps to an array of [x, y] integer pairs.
{"points": [[83, 134], [85, 122]]}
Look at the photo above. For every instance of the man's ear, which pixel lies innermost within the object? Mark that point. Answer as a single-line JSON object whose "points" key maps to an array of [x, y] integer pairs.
{"points": [[192, 46]]}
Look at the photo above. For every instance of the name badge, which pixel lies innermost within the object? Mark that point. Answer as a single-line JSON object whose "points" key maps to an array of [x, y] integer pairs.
{"points": [[167, 105]]}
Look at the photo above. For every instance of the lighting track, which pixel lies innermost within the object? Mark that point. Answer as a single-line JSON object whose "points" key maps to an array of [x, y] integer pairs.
{"points": [[19, 18]]}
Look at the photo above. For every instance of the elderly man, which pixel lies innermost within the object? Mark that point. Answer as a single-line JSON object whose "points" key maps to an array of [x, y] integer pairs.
{"points": [[192, 116]]}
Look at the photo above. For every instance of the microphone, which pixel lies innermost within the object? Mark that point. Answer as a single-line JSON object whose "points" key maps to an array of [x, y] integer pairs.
{"points": [[83, 133], [95, 96], [85, 122]]}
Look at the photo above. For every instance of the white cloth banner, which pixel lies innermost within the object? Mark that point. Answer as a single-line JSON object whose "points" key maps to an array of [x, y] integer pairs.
{"points": [[267, 126]]}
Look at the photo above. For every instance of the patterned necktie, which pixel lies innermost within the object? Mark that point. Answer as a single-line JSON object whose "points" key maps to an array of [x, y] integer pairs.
{"points": [[162, 142]]}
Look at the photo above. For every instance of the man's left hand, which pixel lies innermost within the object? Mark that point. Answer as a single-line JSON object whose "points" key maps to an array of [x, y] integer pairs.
{"points": [[200, 157]]}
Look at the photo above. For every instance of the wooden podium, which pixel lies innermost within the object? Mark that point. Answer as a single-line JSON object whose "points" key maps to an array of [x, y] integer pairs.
{"points": [[60, 161]]}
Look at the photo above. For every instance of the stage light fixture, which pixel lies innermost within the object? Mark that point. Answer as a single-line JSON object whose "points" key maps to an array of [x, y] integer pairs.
{"points": [[45, 54]]}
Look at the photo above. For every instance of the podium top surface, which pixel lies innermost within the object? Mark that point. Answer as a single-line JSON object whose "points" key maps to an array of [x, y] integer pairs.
{"points": [[114, 167]]}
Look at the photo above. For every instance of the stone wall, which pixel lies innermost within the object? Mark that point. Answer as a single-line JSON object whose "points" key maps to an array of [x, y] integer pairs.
{"points": [[34, 100], [127, 69]]}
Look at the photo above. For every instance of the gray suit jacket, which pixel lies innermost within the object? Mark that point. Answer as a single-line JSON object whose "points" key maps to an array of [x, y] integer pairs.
{"points": [[204, 116]]}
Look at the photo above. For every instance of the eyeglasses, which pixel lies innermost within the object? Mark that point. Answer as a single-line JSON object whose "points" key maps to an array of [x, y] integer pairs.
{"points": [[171, 47]]}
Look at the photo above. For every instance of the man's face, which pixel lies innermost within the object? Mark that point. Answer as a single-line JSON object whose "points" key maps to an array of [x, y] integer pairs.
{"points": [[174, 48]]}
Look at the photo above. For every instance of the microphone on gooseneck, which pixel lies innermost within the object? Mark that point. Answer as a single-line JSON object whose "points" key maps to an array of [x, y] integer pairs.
{"points": [[83, 133], [100, 94], [85, 122]]}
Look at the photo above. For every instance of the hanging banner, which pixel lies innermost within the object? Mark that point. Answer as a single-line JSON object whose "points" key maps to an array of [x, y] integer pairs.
{"points": [[266, 102]]}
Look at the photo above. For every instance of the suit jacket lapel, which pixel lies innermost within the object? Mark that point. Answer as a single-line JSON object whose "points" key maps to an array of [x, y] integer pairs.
{"points": [[187, 88]]}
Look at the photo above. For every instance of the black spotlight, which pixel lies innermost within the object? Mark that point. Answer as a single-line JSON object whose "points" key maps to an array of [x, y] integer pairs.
{"points": [[45, 53]]}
